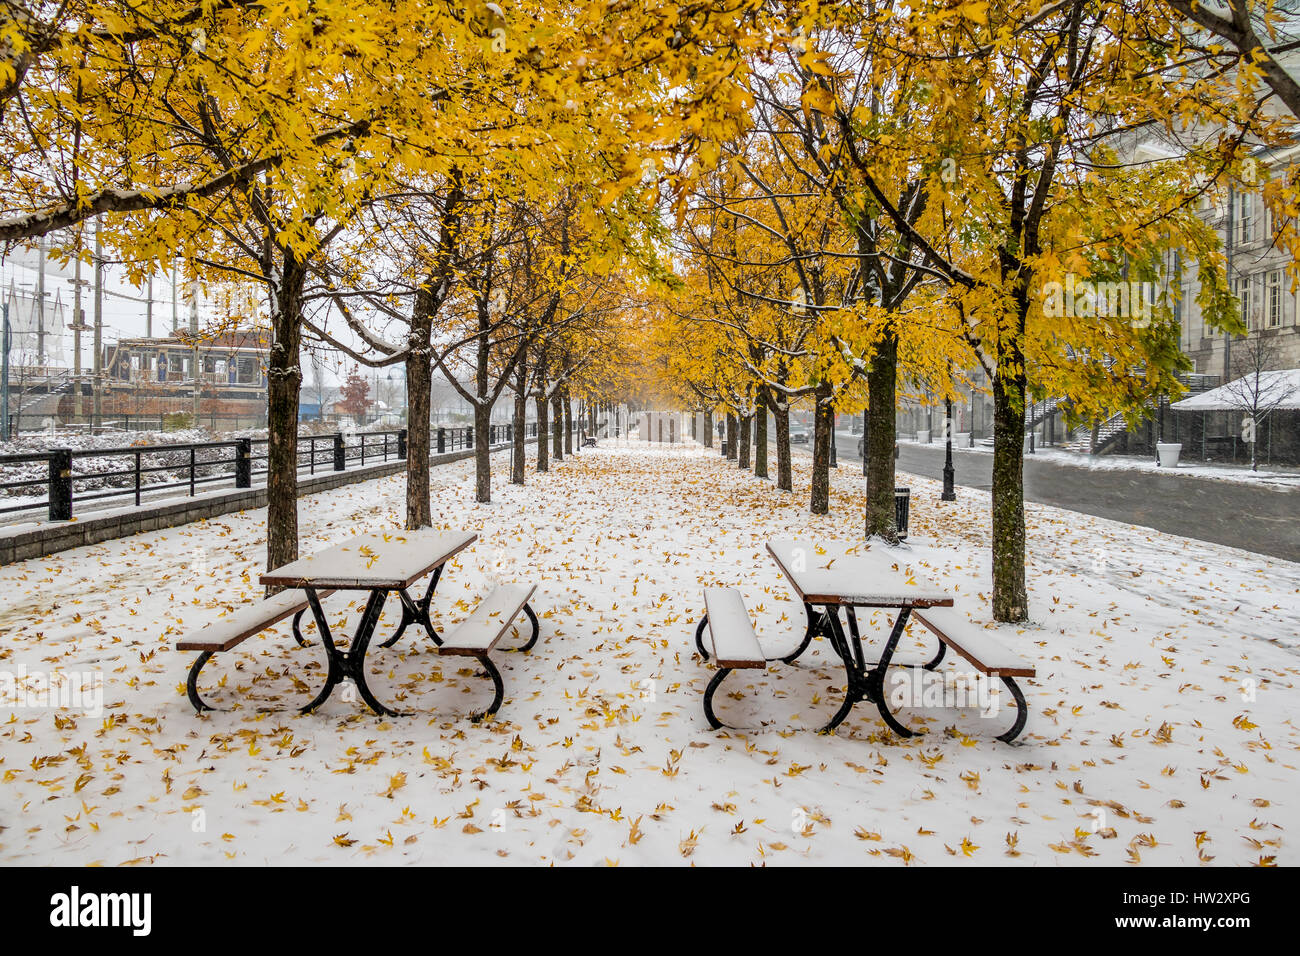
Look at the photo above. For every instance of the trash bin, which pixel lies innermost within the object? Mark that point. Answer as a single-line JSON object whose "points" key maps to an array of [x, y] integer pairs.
{"points": [[902, 509], [724, 449]]}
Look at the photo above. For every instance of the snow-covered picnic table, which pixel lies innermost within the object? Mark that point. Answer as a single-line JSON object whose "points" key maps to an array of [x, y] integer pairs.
{"points": [[835, 575], [378, 562]]}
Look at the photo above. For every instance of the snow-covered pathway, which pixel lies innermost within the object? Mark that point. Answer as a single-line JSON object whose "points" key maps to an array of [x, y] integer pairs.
{"points": [[1161, 729]]}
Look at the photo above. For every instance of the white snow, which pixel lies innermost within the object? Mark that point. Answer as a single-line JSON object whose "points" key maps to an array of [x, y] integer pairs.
{"points": [[1161, 729]]}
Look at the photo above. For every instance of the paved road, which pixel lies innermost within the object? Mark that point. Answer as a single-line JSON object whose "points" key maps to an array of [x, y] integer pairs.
{"points": [[1261, 519]]}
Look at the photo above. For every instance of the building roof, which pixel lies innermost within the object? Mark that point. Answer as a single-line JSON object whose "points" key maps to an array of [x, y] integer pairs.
{"points": [[1280, 389]]}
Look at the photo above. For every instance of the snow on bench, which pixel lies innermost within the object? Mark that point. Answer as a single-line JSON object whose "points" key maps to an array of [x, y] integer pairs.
{"points": [[982, 648], [731, 633], [732, 637], [232, 630], [479, 633], [974, 642]]}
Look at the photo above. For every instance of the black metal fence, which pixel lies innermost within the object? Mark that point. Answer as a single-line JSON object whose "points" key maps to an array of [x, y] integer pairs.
{"points": [[54, 479]]}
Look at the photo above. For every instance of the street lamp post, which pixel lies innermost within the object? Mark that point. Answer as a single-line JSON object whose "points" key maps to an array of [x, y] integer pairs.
{"points": [[948, 493]]}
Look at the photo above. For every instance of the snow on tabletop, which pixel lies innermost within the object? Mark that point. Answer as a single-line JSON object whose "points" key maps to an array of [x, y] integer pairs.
{"points": [[371, 559], [855, 572], [1161, 726]]}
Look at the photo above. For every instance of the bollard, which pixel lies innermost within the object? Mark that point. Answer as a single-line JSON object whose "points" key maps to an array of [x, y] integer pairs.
{"points": [[902, 510], [244, 463], [340, 452], [61, 484], [401, 443], [442, 441]]}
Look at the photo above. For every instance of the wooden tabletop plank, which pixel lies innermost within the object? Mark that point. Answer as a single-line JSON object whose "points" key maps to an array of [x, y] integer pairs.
{"points": [[856, 574], [381, 559]]}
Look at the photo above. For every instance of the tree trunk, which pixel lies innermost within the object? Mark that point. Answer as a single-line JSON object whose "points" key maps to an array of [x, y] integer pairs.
{"points": [[760, 438], [419, 381], [708, 429], [745, 424], [1010, 603], [520, 423], [482, 452], [731, 436], [784, 478], [568, 423], [284, 381], [483, 414], [882, 435], [557, 427], [823, 416], [543, 424]]}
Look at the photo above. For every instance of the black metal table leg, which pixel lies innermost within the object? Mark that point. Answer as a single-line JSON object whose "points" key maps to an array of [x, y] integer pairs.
{"points": [[709, 691], [876, 677], [532, 617], [1022, 711], [341, 665], [417, 612], [356, 658], [699, 637], [853, 688], [192, 683]]}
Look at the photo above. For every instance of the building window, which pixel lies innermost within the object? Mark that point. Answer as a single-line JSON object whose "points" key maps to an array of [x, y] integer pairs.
{"points": [[1275, 299], [1245, 218], [1241, 289]]}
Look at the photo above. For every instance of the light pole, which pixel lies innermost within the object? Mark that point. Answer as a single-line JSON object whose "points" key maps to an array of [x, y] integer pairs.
{"points": [[948, 493], [4, 375]]}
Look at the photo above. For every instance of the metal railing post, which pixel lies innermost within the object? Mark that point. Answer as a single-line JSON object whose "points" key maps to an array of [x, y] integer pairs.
{"points": [[340, 452], [61, 484], [401, 443], [244, 463], [442, 441]]}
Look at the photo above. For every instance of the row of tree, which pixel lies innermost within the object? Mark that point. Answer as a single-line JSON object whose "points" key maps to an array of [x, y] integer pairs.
{"points": [[861, 196], [456, 187], [910, 188]]}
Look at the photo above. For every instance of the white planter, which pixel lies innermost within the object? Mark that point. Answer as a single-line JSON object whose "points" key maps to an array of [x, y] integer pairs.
{"points": [[1168, 453], [923, 436], [961, 440]]}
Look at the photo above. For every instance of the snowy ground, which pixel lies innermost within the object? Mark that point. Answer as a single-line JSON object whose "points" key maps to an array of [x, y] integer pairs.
{"points": [[1160, 729]]}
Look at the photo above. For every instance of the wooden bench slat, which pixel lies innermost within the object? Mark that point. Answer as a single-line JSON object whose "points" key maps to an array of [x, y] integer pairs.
{"points": [[479, 633], [246, 621], [974, 642], [731, 632]]}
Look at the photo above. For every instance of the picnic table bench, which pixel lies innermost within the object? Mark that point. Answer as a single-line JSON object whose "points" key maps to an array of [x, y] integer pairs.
{"points": [[842, 577], [479, 633], [378, 563], [732, 637], [985, 653], [230, 631]]}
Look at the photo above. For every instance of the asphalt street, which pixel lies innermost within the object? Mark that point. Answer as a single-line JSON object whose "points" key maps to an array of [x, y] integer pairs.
{"points": [[1261, 519]]}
